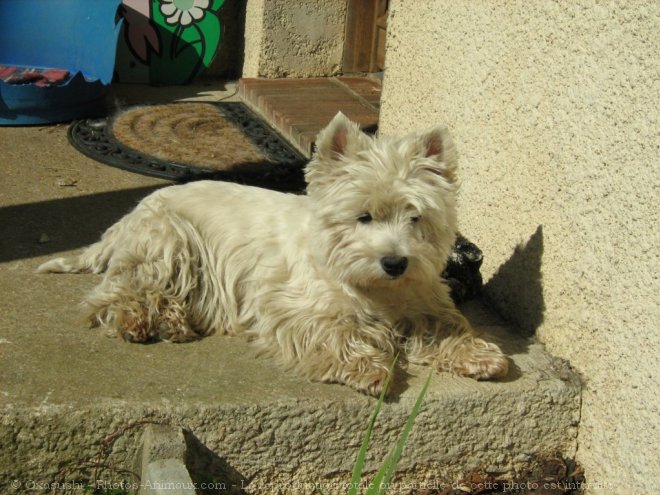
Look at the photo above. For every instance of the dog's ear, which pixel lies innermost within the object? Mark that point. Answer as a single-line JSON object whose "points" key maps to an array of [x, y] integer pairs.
{"points": [[438, 152], [337, 143], [339, 138]]}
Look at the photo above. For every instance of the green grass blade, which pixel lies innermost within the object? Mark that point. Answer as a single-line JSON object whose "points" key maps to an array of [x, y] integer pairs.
{"points": [[385, 473], [380, 475], [359, 462]]}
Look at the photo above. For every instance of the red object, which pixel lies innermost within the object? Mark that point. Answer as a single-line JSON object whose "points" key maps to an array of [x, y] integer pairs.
{"points": [[38, 77]]}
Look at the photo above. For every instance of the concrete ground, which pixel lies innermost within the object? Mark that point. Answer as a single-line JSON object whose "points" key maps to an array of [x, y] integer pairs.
{"points": [[74, 402]]}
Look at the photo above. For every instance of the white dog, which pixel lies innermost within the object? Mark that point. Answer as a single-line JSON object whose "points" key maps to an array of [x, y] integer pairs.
{"points": [[333, 283]]}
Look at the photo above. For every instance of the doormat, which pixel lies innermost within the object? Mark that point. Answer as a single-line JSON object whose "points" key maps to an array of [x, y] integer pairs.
{"points": [[193, 141]]}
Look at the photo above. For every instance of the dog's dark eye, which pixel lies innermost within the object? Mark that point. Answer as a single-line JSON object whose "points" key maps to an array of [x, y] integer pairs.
{"points": [[414, 219], [365, 218]]}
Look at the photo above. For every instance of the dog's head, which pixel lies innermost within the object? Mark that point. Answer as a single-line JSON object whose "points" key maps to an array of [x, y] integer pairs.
{"points": [[386, 207]]}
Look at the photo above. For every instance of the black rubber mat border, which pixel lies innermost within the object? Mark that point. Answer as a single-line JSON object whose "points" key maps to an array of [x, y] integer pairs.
{"points": [[94, 138]]}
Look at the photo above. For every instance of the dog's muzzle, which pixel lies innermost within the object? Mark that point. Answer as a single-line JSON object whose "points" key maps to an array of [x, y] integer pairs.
{"points": [[394, 266]]}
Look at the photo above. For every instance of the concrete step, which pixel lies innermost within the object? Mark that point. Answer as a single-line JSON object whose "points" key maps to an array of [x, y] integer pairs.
{"points": [[74, 405], [300, 108]]}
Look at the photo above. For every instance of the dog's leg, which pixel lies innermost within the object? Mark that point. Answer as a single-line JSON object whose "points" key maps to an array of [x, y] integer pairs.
{"points": [[139, 307], [365, 371], [152, 259], [449, 343], [366, 374], [329, 349]]}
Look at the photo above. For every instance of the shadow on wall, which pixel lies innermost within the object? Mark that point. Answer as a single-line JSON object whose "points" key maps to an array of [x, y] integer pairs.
{"points": [[516, 289]]}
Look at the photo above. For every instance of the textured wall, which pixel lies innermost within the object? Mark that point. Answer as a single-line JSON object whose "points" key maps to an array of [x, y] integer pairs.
{"points": [[254, 15], [554, 107], [294, 39]]}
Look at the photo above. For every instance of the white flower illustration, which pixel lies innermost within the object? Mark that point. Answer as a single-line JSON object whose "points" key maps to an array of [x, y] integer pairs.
{"points": [[183, 11]]}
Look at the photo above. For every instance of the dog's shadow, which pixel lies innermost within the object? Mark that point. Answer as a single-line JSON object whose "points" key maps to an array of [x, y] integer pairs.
{"points": [[512, 347], [400, 383]]}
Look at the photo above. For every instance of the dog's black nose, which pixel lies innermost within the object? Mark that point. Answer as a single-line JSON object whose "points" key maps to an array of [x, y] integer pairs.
{"points": [[394, 265]]}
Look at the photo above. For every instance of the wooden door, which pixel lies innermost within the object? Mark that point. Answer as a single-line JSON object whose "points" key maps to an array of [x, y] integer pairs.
{"points": [[366, 26]]}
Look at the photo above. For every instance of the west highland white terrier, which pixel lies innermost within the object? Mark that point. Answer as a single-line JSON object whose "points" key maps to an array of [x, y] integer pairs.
{"points": [[333, 284]]}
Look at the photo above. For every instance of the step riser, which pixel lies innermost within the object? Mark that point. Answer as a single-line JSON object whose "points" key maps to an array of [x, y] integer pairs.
{"points": [[299, 109]]}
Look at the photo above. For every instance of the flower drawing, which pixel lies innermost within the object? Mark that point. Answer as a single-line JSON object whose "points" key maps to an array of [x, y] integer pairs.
{"points": [[183, 12]]}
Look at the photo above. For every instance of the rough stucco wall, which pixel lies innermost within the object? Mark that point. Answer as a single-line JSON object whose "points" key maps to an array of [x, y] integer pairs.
{"points": [[554, 108], [294, 39], [254, 13]]}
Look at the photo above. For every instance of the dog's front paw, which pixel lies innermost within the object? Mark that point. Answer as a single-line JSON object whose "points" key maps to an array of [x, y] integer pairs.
{"points": [[370, 382], [480, 360]]}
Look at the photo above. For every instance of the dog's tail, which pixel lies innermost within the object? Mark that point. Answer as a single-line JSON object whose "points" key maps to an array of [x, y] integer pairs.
{"points": [[69, 264], [93, 260]]}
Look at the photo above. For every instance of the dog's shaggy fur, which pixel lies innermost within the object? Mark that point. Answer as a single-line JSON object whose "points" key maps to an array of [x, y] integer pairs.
{"points": [[333, 283]]}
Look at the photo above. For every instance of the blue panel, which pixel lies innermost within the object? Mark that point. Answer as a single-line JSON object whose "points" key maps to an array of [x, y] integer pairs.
{"points": [[76, 35]]}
